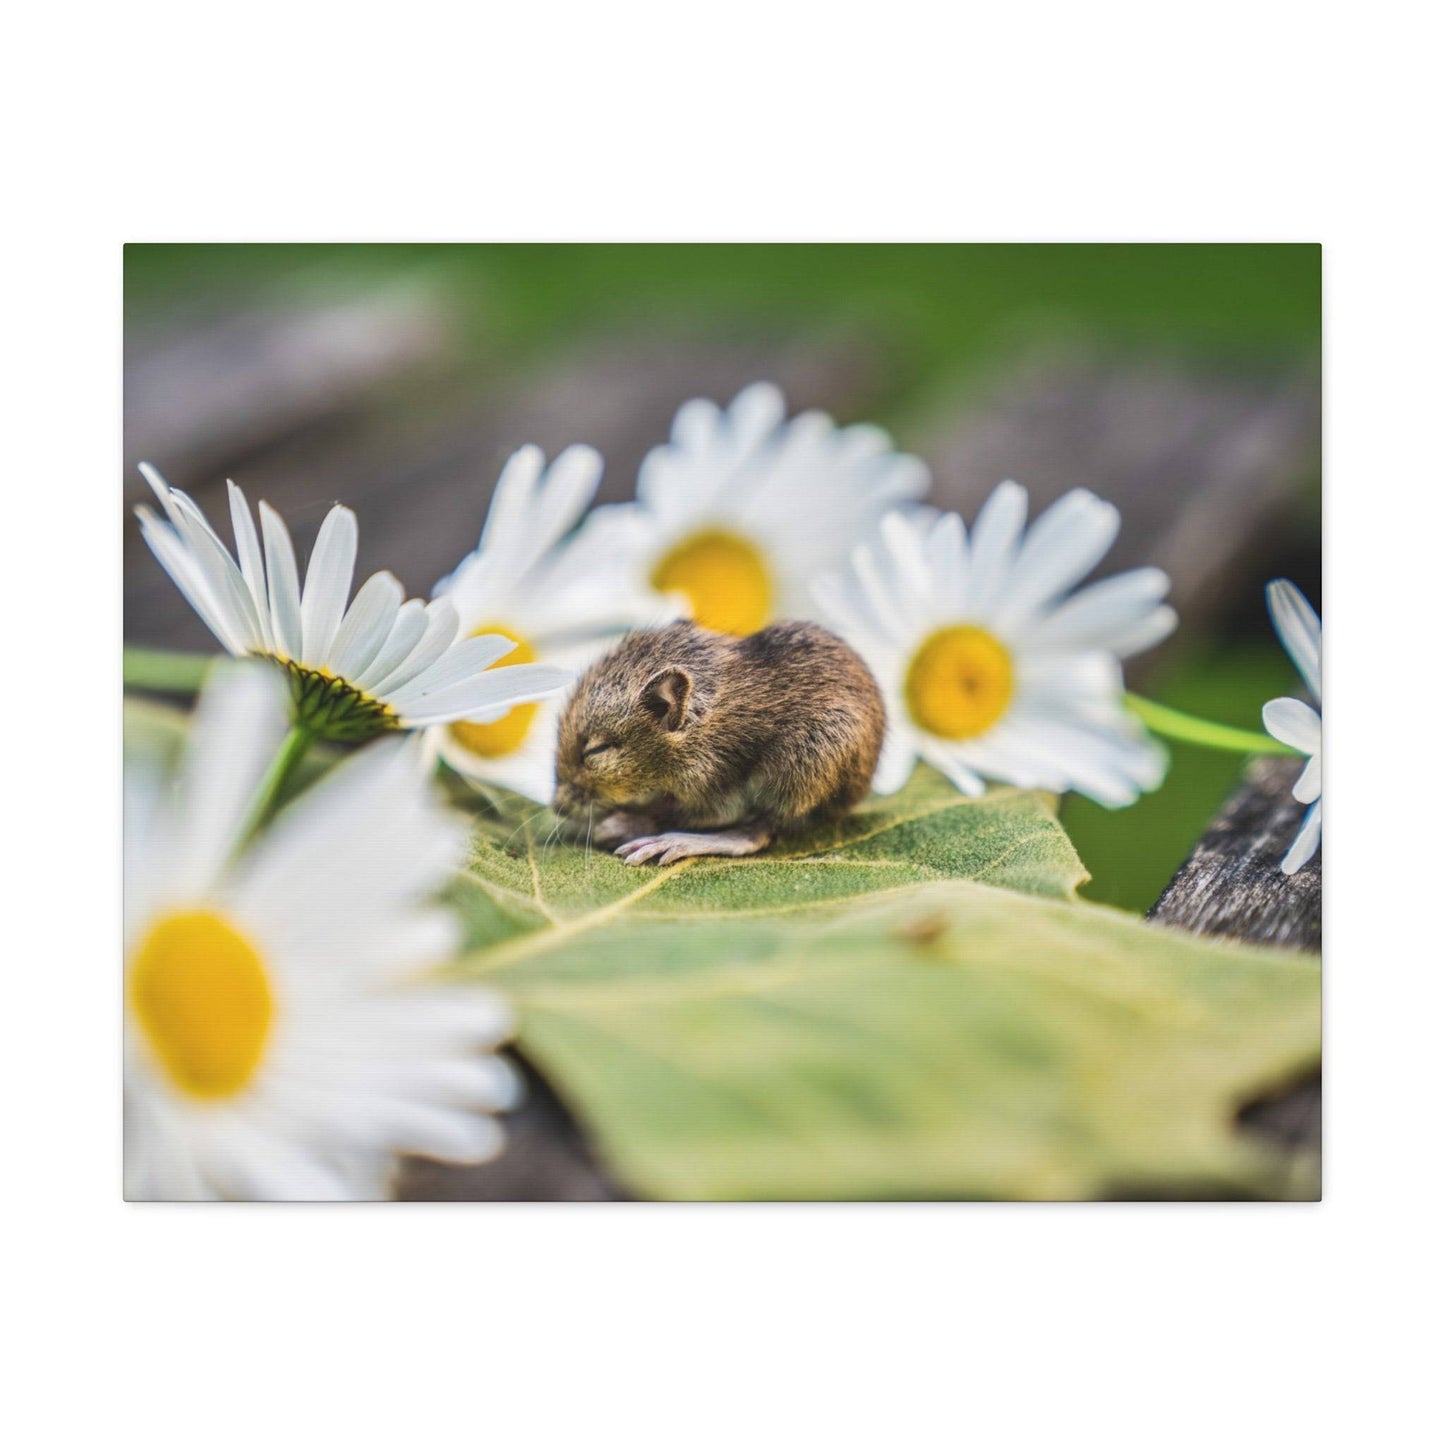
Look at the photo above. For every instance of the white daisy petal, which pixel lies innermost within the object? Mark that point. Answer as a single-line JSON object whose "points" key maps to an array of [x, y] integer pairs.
{"points": [[191, 579], [406, 631], [328, 582], [441, 630], [954, 769], [488, 1083], [1097, 616], [1306, 843], [755, 413], [1298, 626], [161, 489], [1148, 632], [1296, 724], [535, 507], [890, 613], [908, 572], [696, 424], [248, 549], [283, 586], [445, 1015], [895, 761], [1062, 547], [228, 587], [1007, 756], [470, 656], [367, 830], [446, 1134], [247, 1162], [239, 723], [1309, 784], [1070, 680], [503, 687], [366, 625], [994, 543], [511, 501], [1110, 765], [945, 548]]}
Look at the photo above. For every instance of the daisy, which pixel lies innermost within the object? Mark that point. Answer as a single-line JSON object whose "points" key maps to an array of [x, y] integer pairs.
{"points": [[988, 667], [743, 509], [558, 603], [1296, 723], [354, 671], [277, 1043]]}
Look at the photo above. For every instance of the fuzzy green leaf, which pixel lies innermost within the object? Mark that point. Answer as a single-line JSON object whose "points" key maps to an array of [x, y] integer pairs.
{"points": [[529, 881], [910, 1004]]}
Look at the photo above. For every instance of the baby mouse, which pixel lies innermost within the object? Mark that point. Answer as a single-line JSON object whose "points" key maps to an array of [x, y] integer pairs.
{"points": [[682, 742]]}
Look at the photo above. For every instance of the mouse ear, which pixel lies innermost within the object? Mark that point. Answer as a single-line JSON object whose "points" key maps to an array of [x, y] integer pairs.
{"points": [[665, 697]]}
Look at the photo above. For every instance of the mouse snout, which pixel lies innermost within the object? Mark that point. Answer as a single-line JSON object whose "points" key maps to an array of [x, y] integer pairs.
{"points": [[570, 800]]}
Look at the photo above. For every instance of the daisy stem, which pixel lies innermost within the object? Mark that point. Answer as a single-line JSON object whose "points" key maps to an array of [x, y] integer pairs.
{"points": [[153, 670], [291, 751], [1169, 723]]}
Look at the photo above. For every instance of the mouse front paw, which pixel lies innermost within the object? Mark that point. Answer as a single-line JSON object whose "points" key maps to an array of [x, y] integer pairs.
{"points": [[674, 847]]}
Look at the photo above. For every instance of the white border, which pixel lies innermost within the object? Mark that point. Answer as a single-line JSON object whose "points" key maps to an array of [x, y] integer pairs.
{"points": [[1240, 121]]}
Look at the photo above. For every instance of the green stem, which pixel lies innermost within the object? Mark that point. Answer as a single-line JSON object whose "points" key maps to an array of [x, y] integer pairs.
{"points": [[1180, 726], [153, 670], [291, 751]]}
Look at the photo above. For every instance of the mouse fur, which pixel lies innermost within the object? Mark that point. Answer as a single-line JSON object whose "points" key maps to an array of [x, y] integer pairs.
{"points": [[681, 742]]}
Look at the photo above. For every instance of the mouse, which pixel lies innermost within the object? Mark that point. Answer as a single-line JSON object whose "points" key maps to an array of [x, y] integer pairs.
{"points": [[682, 742]]}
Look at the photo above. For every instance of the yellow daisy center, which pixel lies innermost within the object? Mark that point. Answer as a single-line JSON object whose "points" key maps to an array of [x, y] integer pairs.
{"points": [[959, 683], [499, 739], [201, 994], [724, 577]]}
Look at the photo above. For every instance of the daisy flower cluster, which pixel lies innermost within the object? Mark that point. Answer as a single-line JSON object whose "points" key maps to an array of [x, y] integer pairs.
{"points": [[285, 1033]]}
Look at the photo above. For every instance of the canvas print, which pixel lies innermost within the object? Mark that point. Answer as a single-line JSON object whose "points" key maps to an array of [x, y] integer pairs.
{"points": [[722, 722]]}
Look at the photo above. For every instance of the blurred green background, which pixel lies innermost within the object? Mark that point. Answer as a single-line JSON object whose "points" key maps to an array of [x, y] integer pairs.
{"points": [[943, 317]]}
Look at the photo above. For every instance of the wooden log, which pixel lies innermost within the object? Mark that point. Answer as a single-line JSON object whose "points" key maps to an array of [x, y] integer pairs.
{"points": [[1231, 887]]}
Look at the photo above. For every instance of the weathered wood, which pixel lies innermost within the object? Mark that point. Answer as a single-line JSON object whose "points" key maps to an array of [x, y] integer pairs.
{"points": [[1231, 887]]}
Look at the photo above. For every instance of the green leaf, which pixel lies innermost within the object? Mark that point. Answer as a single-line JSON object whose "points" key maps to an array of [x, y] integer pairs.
{"points": [[525, 880], [911, 1003]]}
